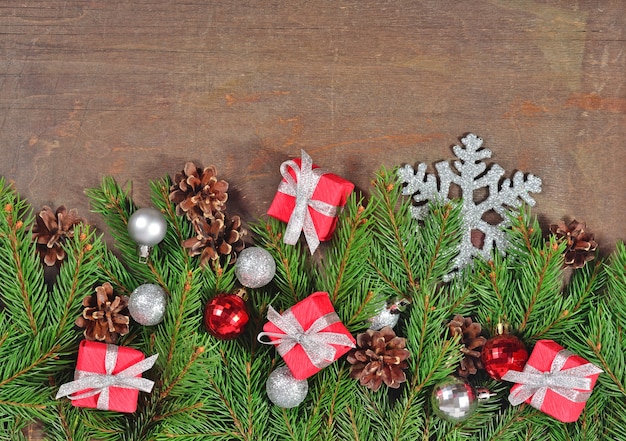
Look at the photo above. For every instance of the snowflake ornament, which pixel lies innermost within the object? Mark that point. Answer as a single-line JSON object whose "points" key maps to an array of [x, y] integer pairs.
{"points": [[471, 176]]}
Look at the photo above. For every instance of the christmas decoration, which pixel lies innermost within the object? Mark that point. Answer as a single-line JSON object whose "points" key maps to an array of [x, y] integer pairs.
{"points": [[105, 315], [147, 227], [581, 247], [218, 238], [554, 381], [380, 358], [284, 390], [226, 316], [197, 193], [308, 198], [454, 399], [309, 335], [108, 377], [388, 314], [503, 353], [472, 343], [50, 231], [147, 304], [473, 175], [255, 267]]}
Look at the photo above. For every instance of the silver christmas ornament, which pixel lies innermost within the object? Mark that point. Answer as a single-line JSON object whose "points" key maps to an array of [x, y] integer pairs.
{"points": [[454, 399], [388, 314], [470, 173], [284, 390], [147, 227], [255, 267], [147, 304]]}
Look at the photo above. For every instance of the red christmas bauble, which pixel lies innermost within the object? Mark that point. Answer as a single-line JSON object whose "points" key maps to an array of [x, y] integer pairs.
{"points": [[503, 353], [226, 316]]}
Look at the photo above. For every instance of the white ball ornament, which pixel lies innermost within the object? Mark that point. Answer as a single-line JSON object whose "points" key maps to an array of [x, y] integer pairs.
{"points": [[147, 227], [255, 267], [284, 390], [147, 304]]}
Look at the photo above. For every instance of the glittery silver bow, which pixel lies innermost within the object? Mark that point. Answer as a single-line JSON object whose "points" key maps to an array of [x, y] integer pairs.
{"points": [[315, 343], [100, 383], [535, 383], [302, 189]]}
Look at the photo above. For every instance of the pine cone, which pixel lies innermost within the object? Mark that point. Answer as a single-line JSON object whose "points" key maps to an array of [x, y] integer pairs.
{"points": [[51, 230], [105, 316], [197, 192], [216, 239], [380, 357], [472, 344], [580, 244]]}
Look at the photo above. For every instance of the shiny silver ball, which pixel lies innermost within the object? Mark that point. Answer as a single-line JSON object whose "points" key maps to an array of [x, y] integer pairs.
{"points": [[284, 390], [147, 304], [454, 399], [386, 316], [147, 226], [255, 267]]}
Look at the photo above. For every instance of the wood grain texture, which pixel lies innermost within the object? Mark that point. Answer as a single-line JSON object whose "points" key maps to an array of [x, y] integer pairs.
{"points": [[135, 89]]}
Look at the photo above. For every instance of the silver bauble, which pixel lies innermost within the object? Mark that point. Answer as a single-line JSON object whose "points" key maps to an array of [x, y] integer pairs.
{"points": [[255, 267], [147, 227], [284, 390], [385, 317], [454, 399], [147, 304]]}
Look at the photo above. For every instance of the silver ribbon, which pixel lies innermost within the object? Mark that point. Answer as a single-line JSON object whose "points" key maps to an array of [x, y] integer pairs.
{"points": [[535, 383], [100, 383], [315, 343], [302, 189]]}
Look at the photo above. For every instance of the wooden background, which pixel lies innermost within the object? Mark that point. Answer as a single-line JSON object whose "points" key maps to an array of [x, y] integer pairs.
{"points": [[133, 89]]}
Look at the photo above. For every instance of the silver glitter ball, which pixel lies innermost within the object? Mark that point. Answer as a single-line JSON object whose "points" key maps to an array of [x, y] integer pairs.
{"points": [[255, 267], [147, 304], [284, 390], [454, 399], [147, 226], [386, 316]]}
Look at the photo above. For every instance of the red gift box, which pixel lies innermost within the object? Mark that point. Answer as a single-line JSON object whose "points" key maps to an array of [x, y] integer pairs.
{"points": [[309, 335], [329, 191], [91, 366], [554, 381]]}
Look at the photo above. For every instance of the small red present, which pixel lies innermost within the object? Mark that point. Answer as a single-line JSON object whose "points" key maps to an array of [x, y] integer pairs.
{"points": [[554, 381], [309, 335], [108, 377], [307, 199]]}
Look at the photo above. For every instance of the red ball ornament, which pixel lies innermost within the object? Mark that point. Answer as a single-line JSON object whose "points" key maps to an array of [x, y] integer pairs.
{"points": [[226, 316], [503, 353]]}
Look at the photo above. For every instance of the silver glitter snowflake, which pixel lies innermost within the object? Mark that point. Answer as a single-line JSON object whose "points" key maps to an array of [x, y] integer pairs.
{"points": [[471, 176]]}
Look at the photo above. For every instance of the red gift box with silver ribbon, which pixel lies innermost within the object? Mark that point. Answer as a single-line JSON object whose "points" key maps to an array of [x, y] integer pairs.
{"points": [[108, 377], [308, 198], [309, 335], [555, 381]]}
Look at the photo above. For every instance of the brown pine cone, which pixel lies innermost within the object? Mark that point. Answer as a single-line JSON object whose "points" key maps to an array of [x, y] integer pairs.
{"points": [[216, 239], [580, 244], [380, 357], [105, 316], [472, 342], [51, 230], [197, 192]]}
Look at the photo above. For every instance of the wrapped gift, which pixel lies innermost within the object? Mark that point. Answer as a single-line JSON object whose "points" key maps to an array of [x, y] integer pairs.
{"points": [[308, 198], [309, 335], [554, 381], [108, 377]]}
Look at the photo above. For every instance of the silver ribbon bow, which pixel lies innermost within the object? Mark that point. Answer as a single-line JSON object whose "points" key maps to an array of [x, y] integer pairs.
{"points": [[302, 189], [315, 343], [100, 383], [535, 383]]}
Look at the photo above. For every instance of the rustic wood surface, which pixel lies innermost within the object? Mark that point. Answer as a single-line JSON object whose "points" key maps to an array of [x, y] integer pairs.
{"points": [[133, 89]]}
